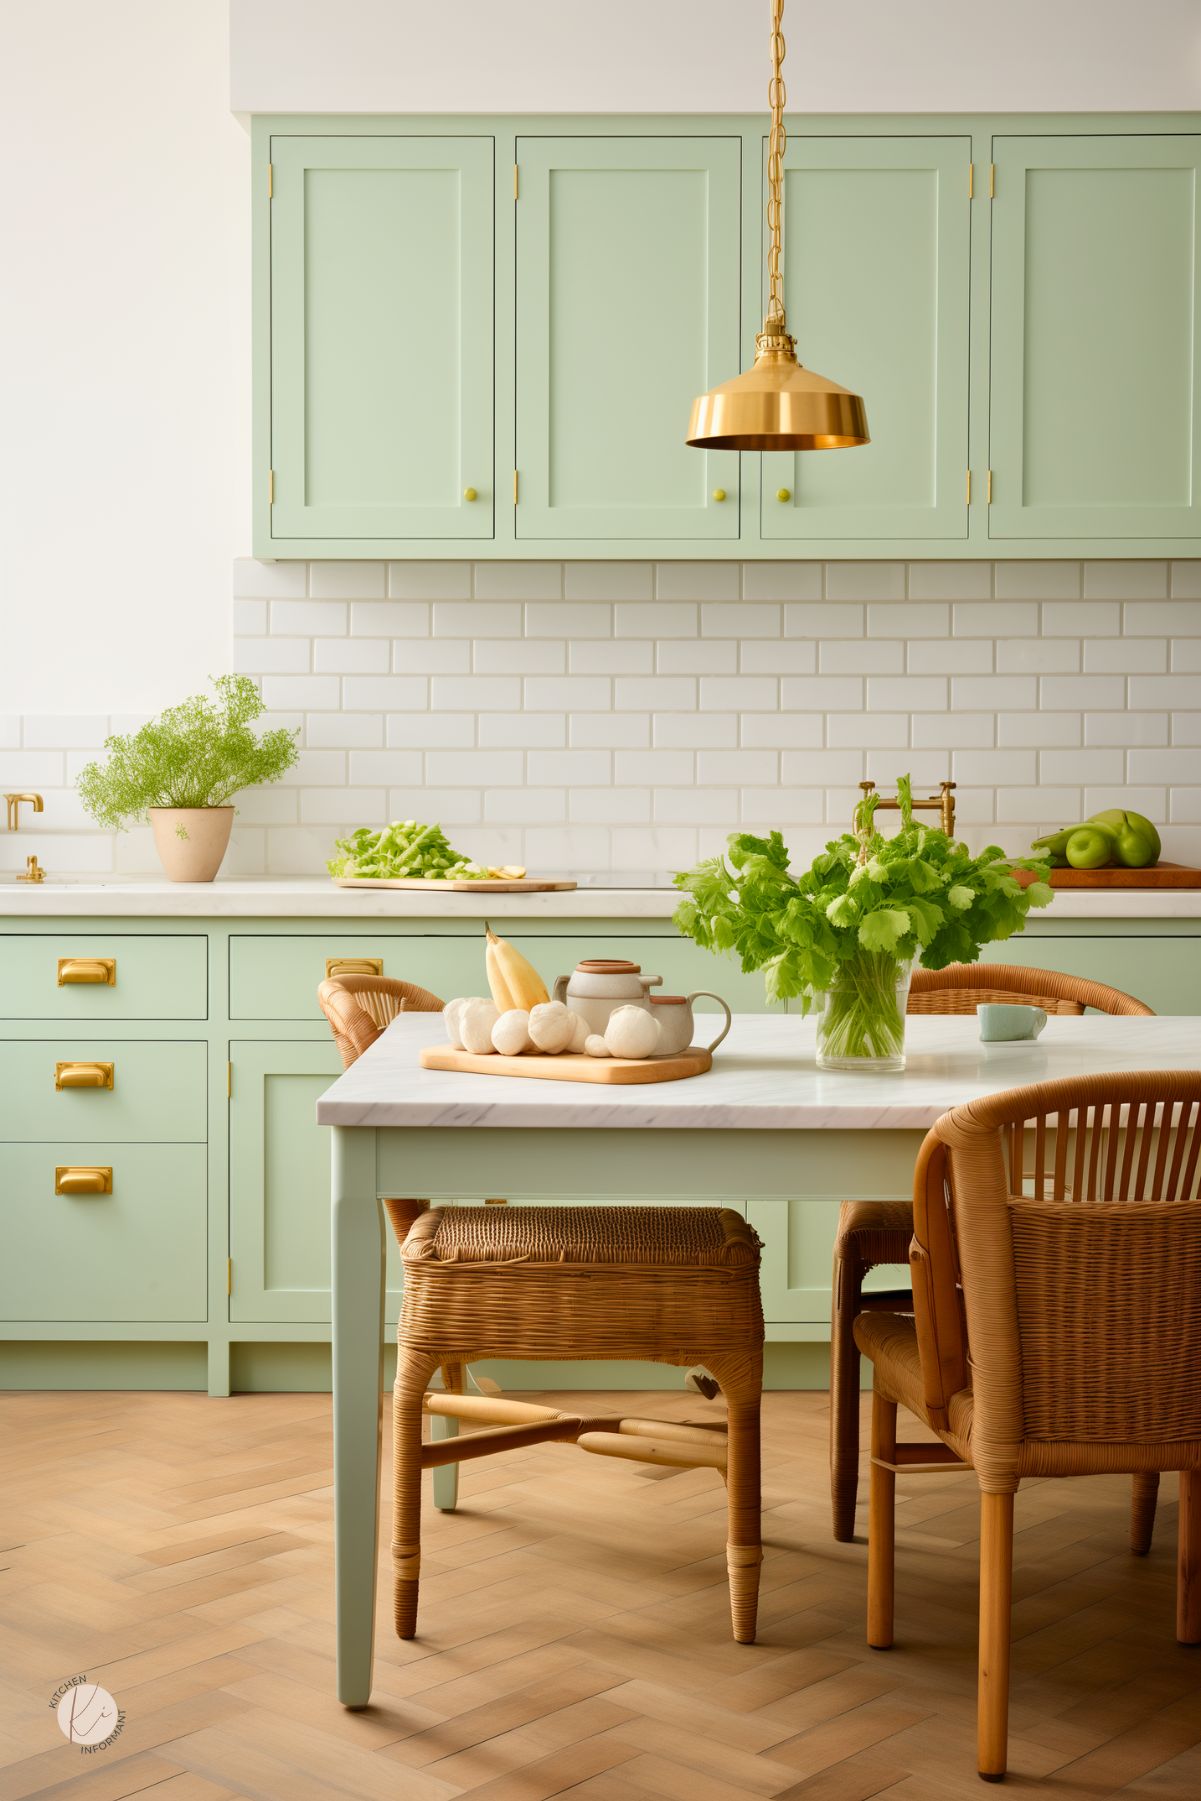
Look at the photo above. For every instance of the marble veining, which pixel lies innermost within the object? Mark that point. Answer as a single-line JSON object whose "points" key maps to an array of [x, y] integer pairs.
{"points": [[764, 1078]]}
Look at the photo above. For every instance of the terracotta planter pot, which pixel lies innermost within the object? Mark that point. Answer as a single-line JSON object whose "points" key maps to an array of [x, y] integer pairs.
{"points": [[191, 841]]}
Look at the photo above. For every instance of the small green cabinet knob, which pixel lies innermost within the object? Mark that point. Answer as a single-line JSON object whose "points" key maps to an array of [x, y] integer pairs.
{"points": [[783, 493], [719, 493], [470, 494]]}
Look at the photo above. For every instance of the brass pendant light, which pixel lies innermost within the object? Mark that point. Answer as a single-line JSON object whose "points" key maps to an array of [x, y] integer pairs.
{"points": [[777, 404]]}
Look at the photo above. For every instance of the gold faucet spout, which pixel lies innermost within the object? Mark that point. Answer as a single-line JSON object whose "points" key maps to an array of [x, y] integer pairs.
{"points": [[13, 804]]}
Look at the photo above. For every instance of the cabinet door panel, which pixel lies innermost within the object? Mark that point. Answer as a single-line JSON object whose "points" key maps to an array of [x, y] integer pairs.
{"points": [[876, 269], [381, 337], [279, 1185], [628, 260], [1094, 413]]}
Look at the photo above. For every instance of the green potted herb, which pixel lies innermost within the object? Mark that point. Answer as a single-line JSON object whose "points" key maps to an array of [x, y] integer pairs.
{"points": [[845, 934], [181, 770]]}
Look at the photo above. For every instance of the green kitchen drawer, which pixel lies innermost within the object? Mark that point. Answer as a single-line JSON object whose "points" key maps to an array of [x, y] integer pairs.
{"points": [[277, 978], [137, 1253], [1165, 973], [153, 978], [159, 1091]]}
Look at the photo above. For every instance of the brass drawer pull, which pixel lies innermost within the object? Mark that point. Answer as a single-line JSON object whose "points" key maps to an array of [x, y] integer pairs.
{"points": [[83, 1178], [97, 970], [353, 966], [83, 1075]]}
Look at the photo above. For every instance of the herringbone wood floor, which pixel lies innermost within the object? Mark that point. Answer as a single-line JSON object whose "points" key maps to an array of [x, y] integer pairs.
{"points": [[574, 1630]]}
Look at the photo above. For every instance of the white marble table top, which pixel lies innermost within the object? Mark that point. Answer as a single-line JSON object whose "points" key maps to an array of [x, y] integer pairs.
{"points": [[764, 1078]]}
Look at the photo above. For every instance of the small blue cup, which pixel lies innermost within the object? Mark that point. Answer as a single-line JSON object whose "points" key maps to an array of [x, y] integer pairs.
{"points": [[1004, 1020]]}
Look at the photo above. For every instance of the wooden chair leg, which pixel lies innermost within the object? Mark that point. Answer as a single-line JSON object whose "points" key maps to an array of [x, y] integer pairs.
{"points": [[1142, 1511], [742, 1385], [1188, 1560], [446, 1477], [881, 1527], [996, 1591], [844, 1395], [412, 1374]]}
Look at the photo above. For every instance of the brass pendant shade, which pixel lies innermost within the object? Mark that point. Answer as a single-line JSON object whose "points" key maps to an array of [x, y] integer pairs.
{"points": [[777, 404]]}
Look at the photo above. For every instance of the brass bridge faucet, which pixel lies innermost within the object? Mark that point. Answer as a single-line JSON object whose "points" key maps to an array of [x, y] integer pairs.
{"points": [[33, 869], [942, 803]]}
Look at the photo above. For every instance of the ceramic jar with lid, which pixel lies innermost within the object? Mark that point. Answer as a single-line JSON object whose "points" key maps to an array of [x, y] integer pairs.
{"points": [[599, 984]]}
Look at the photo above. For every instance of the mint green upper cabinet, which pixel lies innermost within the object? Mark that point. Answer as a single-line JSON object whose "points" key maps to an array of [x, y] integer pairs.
{"points": [[1094, 393], [628, 275], [381, 338], [876, 268]]}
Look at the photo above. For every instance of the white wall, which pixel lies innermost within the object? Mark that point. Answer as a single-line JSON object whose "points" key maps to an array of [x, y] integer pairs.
{"points": [[710, 55], [124, 352]]}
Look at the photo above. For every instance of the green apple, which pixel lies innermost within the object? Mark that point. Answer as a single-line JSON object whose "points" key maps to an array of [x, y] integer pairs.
{"points": [[1137, 842], [1090, 846]]}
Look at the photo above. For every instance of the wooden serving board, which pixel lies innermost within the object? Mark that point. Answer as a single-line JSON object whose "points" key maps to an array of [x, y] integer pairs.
{"points": [[501, 885], [567, 1067], [1161, 875]]}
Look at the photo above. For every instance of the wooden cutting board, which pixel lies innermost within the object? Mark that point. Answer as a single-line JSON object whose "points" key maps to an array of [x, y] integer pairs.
{"points": [[571, 1068], [1162, 875], [499, 885]]}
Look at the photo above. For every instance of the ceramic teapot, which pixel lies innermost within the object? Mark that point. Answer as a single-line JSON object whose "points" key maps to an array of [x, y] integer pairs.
{"points": [[599, 984]]}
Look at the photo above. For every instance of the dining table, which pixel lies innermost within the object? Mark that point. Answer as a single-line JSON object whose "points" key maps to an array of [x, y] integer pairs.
{"points": [[763, 1130]]}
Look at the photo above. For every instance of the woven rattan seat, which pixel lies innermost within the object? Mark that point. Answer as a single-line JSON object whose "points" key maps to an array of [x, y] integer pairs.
{"points": [[675, 1285], [877, 1233], [1056, 1325]]}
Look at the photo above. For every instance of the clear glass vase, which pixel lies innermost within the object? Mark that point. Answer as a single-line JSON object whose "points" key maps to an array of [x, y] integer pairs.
{"points": [[862, 1020]]}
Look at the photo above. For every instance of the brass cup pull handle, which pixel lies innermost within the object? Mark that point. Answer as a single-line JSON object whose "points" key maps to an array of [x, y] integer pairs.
{"points": [[83, 1178], [73, 970], [83, 1075], [353, 966]]}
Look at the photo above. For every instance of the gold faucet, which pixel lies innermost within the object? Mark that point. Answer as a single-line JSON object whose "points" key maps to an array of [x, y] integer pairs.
{"points": [[33, 869], [942, 803]]}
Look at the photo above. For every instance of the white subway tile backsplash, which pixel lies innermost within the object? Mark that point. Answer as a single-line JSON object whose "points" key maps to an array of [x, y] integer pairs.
{"points": [[617, 719]]}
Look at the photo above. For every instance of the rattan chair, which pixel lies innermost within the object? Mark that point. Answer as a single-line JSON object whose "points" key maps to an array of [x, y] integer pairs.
{"points": [[675, 1285], [1056, 1262], [871, 1233]]}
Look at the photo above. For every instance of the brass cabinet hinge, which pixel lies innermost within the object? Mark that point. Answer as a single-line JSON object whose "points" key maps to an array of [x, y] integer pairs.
{"points": [[515, 181], [229, 1080], [992, 181], [270, 181], [229, 1275], [514, 487], [270, 487], [968, 500], [971, 181], [988, 489]]}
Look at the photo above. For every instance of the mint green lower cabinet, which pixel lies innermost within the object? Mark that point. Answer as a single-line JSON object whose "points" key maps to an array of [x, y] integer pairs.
{"points": [[1096, 257], [279, 1184], [628, 272], [137, 1254], [876, 279], [209, 1191]]}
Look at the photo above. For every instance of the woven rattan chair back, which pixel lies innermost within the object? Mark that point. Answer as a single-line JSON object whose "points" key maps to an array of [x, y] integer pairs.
{"points": [[1057, 1253], [962, 987], [358, 1008]]}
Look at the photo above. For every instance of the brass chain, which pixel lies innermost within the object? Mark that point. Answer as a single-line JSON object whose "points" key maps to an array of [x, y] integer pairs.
{"points": [[777, 143]]}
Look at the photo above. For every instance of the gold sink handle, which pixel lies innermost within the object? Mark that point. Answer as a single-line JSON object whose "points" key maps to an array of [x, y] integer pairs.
{"points": [[83, 1075], [83, 1178], [87, 969]]}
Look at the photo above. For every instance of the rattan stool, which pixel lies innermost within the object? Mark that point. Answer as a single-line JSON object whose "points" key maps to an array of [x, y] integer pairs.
{"points": [[666, 1284]]}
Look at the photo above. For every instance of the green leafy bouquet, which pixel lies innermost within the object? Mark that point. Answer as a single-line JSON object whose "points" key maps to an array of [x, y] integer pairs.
{"points": [[198, 754], [867, 906]]}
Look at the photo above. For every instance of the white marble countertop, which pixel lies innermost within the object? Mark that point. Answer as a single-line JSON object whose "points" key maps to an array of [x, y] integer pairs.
{"points": [[315, 897], [764, 1078]]}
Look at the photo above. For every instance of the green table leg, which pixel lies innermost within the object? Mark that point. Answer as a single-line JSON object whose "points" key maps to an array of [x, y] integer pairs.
{"points": [[358, 1319]]}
